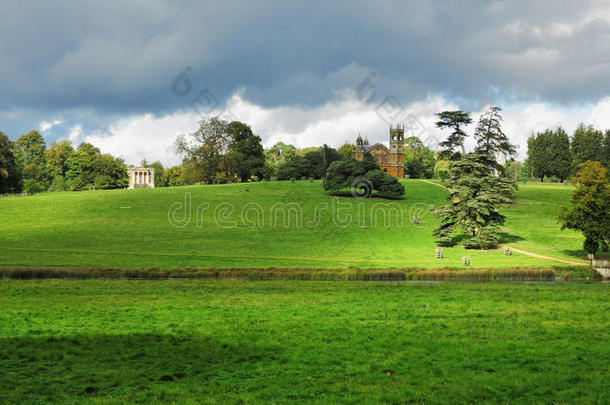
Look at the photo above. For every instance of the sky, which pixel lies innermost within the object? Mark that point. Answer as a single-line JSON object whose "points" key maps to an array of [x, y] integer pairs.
{"points": [[130, 76]]}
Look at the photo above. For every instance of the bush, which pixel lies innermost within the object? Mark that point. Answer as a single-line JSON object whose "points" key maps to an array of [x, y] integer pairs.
{"points": [[441, 170], [32, 187], [58, 184], [552, 179], [385, 184], [364, 174], [221, 178]]}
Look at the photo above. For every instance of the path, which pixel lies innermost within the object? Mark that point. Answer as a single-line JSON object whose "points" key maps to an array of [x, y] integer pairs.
{"points": [[524, 252], [433, 183]]}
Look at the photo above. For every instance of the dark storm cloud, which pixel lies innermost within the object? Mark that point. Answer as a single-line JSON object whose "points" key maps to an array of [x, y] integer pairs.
{"points": [[119, 57]]}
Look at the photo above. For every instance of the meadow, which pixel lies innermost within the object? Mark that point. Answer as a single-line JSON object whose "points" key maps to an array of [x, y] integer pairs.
{"points": [[188, 341], [255, 225]]}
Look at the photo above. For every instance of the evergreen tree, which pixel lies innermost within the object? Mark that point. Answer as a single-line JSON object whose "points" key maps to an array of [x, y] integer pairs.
{"points": [[475, 194], [587, 144], [454, 120], [549, 154], [561, 158], [490, 138], [363, 176]]}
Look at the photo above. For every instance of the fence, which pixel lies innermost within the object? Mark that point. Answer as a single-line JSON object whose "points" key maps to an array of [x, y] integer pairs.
{"points": [[15, 195]]}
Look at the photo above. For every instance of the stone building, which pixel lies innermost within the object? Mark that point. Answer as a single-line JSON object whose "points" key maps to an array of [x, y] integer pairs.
{"points": [[141, 177], [389, 160]]}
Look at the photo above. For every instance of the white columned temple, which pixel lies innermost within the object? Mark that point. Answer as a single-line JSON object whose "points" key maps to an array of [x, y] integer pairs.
{"points": [[141, 177]]}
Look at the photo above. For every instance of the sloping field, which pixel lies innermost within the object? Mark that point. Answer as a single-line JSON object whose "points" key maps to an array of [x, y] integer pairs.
{"points": [[260, 225]]}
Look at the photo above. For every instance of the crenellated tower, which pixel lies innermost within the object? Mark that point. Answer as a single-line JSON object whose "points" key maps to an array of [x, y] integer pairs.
{"points": [[390, 160], [397, 145]]}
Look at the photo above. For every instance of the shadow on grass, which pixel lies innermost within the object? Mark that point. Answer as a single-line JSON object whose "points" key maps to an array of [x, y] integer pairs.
{"points": [[576, 253], [508, 238], [349, 194], [133, 367]]}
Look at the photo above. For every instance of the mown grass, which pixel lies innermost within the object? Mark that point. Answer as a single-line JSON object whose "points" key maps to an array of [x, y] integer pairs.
{"points": [[274, 342], [531, 223], [130, 229]]}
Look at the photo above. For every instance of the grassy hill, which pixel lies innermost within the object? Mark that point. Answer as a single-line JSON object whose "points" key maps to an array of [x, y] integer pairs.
{"points": [[131, 228]]}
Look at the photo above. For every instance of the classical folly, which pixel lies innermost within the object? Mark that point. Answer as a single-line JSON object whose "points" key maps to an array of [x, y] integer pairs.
{"points": [[141, 177]]}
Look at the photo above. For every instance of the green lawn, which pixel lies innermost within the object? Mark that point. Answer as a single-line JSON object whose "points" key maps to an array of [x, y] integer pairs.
{"points": [[241, 342], [533, 226], [130, 229]]}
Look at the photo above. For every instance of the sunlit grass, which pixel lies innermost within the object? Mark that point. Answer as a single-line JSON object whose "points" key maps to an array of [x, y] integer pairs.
{"points": [[130, 229]]}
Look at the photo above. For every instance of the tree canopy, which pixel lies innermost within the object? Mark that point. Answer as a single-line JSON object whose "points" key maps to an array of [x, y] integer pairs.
{"points": [[363, 176], [248, 150], [590, 206], [220, 152], [587, 144], [549, 154], [490, 138], [10, 175], [474, 196], [418, 159], [455, 121]]}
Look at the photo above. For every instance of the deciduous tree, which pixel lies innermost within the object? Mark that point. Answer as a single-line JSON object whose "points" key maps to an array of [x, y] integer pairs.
{"points": [[56, 156], [419, 160], [249, 150], [346, 149], [31, 149], [10, 175], [203, 151], [589, 212]]}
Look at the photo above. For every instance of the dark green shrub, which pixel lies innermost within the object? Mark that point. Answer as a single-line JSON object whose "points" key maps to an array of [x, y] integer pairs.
{"points": [[32, 187]]}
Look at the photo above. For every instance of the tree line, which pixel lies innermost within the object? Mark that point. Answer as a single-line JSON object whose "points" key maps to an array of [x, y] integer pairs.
{"points": [[28, 165], [555, 156], [221, 152]]}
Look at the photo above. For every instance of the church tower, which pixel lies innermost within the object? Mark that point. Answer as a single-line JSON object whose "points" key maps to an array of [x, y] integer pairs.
{"points": [[358, 152], [397, 146]]}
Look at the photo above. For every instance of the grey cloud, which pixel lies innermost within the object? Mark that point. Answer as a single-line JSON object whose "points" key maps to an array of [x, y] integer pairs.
{"points": [[118, 57]]}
